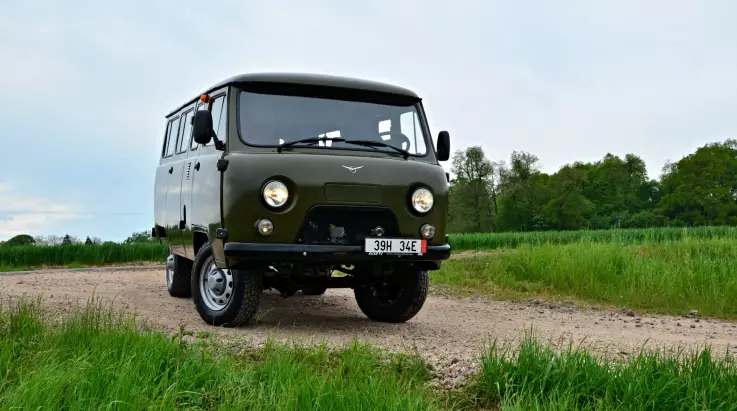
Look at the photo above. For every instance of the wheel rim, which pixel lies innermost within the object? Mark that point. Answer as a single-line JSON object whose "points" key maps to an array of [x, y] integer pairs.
{"points": [[216, 286]]}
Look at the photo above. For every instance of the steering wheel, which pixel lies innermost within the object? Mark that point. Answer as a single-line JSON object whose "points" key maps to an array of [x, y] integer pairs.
{"points": [[402, 136]]}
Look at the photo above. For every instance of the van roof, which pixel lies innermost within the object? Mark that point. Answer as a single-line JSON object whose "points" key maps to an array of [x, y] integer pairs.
{"points": [[311, 79]]}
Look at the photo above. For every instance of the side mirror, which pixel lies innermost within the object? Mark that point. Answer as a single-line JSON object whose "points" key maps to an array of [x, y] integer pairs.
{"points": [[443, 146], [202, 127]]}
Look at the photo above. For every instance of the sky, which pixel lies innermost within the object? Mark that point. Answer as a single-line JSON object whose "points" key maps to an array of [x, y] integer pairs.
{"points": [[84, 86]]}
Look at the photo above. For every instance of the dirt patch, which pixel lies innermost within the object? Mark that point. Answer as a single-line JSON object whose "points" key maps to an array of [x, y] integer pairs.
{"points": [[449, 331]]}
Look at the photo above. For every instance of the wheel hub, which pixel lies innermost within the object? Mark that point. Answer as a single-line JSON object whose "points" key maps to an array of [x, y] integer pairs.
{"points": [[216, 286], [216, 282]]}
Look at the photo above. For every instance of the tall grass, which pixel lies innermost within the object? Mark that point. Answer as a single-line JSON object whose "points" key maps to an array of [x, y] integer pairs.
{"points": [[537, 378], [670, 277], [489, 241], [100, 360], [19, 257]]}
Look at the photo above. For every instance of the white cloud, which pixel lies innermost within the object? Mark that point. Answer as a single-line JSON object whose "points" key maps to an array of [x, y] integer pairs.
{"points": [[31, 214]]}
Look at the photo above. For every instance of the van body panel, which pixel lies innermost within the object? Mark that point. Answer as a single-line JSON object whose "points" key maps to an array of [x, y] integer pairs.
{"points": [[307, 176]]}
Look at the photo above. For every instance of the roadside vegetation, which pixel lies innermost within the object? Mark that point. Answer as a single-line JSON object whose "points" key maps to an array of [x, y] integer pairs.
{"points": [[95, 358], [671, 277]]}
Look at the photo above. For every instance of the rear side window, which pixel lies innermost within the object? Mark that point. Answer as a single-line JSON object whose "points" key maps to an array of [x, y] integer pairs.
{"points": [[186, 131], [171, 133]]}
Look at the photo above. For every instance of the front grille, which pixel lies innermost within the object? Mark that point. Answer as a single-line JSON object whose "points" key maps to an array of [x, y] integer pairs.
{"points": [[346, 225]]}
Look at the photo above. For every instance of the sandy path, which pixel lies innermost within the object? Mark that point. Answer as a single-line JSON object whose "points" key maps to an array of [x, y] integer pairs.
{"points": [[447, 330]]}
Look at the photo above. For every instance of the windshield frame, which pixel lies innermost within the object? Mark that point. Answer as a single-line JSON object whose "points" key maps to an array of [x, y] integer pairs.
{"points": [[337, 94]]}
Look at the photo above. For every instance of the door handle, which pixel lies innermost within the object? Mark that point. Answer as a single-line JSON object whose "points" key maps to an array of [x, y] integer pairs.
{"points": [[171, 169], [197, 166]]}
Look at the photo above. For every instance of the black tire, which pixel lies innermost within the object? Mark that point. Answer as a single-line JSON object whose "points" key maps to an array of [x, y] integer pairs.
{"points": [[407, 293], [243, 302], [177, 272]]}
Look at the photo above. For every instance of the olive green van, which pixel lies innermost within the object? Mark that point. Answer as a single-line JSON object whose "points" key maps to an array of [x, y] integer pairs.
{"points": [[300, 183]]}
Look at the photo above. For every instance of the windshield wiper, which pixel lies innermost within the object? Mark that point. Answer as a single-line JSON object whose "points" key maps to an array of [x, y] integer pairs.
{"points": [[311, 140], [373, 143]]}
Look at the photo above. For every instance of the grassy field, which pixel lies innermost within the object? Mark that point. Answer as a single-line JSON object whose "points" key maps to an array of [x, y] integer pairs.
{"points": [[98, 359], [76, 255], [669, 277], [491, 241]]}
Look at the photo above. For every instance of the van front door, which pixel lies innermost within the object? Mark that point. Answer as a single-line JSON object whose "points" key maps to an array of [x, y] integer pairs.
{"points": [[204, 194]]}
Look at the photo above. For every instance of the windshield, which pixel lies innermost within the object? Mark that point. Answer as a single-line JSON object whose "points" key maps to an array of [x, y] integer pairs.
{"points": [[271, 120]]}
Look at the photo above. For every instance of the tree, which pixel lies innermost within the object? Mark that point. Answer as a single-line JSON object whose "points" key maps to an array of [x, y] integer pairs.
{"points": [[88, 241], [471, 190], [569, 209], [524, 192], [139, 237], [20, 239], [701, 188], [67, 239]]}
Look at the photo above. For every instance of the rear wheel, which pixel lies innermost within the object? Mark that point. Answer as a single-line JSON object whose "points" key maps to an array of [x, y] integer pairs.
{"points": [[224, 297], [395, 301], [178, 272]]}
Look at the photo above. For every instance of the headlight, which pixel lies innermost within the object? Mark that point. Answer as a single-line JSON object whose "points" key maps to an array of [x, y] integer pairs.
{"points": [[422, 200], [275, 194]]}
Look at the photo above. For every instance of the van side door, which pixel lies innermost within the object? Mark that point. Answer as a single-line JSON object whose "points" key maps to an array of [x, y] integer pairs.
{"points": [[206, 182], [162, 178], [172, 171], [174, 215]]}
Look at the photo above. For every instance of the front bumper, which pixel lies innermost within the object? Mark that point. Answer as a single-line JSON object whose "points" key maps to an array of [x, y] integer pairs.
{"points": [[325, 253]]}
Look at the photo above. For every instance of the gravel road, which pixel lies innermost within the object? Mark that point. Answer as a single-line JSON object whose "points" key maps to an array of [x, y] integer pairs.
{"points": [[449, 332]]}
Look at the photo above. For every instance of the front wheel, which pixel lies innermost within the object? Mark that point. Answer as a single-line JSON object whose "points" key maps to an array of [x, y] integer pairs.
{"points": [[224, 297], [396, 301]]}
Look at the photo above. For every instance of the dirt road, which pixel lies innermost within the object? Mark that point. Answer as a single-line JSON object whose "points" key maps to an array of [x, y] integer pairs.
{"points": [[447, 331]]}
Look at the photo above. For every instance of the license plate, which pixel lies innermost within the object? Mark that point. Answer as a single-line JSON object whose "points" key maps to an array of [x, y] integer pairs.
{"points": [[381, 246]]}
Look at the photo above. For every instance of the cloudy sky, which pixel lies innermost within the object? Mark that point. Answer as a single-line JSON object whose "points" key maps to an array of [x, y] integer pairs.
{"points": [[84, 86]]}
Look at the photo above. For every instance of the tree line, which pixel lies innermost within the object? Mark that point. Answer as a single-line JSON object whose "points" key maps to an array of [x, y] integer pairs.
{"points": [[487, 196]]}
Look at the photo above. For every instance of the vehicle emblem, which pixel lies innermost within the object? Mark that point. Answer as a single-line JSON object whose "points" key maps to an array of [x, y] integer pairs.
{"points": [[352, 169]]}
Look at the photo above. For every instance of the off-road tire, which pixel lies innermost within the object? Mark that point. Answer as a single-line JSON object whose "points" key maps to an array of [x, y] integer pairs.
{"points": [[178, 284], [412, 295], [243, 304]]}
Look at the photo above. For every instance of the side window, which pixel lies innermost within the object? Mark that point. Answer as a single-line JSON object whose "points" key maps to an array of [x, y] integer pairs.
{"points": [[171, 136], [186, 131], [167, 132], [218, 118]]}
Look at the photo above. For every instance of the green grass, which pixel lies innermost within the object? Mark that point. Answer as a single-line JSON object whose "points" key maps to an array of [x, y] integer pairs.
{"points": [[78, 255], [100, 360], [669, 277], [490, 241], [534, 377]]}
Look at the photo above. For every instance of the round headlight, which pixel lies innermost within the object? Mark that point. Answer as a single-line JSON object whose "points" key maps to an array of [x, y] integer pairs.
{"points": [[275, 194], [422, 200]]}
